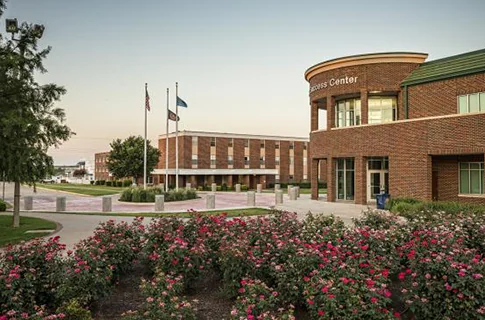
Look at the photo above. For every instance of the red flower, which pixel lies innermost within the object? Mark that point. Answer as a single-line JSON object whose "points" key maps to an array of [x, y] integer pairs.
{"points": [[374, 299], [321, 313], [401, 275], [397, 314]]}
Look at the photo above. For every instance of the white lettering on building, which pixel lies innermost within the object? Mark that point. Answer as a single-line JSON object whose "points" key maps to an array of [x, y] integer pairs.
{"points": [[333, 82]]}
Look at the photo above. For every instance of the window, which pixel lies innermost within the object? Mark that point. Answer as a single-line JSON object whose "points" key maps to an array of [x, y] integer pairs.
{"points": [[261, 161], [213, 142], [471, 178], [230, 143], [382, 109], [195, 141], [345, 179], [290, 178], [305, 145], [292, 145], [262, 144], [230, 160], [292, 161], [277, 177], [305, 177], [213, 159], [246, 143], [469, 103], [277, 160], [347, 113], [194, 159], [277, 145], [246, 161]]}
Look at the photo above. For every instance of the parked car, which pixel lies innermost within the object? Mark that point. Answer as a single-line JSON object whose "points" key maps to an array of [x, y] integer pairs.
{"points": [[47, 181]]}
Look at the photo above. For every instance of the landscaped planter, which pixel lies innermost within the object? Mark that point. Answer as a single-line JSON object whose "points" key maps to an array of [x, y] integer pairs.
{"points": [[139, 194]]}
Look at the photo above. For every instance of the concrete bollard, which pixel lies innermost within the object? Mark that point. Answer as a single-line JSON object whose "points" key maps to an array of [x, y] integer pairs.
{"points": [[107, 204], [28, 203], [60, 204], [289, 188], [159, 202], [259, 188], [214, 187], [297, 192], [188, 186], [293, 193], [278, 197], [251, 202], [238, 187], [210, 201], [277, 187]]}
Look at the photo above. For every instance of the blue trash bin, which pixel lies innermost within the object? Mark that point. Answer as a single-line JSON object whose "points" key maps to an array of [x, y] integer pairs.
{"points": [[381, 200]]}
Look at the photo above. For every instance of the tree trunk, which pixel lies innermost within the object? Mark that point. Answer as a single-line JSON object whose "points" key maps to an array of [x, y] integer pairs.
{"points": [[16, 205]]}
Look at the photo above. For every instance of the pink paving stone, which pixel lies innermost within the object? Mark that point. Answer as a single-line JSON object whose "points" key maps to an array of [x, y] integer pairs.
{"points": [[224, 200]]}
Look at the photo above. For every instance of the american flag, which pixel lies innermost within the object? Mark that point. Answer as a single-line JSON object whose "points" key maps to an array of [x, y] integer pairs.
{"points": [[147, 99]]}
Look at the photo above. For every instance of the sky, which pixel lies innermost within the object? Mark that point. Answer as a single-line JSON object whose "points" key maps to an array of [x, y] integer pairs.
{"points": [[239, 64]]}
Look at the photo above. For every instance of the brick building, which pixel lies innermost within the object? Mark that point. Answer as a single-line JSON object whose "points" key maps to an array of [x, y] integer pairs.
{"points": [[227, 158], [100, 168], [398, 124]]}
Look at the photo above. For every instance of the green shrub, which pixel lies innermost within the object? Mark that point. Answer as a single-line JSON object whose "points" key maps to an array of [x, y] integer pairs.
{"points": [[218, 188], [3, 206], [74, 311], [126, 183], [224, 187], [138, 195], [109, 183], [119, 183], [127, 195], [102, 182], [244, 187], [91, 182]]}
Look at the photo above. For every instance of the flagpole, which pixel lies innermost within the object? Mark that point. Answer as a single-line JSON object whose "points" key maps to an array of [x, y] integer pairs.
{"points": [[166, 148], [176, 137], [145, 149]]}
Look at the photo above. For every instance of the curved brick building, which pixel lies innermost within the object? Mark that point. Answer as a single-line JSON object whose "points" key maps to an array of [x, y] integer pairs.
{"points": [[398, 124]]}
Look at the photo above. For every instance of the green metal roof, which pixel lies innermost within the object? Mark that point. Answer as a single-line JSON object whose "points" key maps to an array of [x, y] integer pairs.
{"points": [[446, 68]]}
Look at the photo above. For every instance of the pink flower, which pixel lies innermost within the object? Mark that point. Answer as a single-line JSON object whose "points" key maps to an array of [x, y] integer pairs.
{"points": [[401, 275], [462, 273], [397, 314], [77, 270], [477, 276], [310, 302], [325, 289], [331, 296], [321, 313], [374, 299]]}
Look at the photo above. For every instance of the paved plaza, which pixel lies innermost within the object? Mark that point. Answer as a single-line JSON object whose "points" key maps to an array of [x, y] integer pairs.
{"points": [[78, 226]]}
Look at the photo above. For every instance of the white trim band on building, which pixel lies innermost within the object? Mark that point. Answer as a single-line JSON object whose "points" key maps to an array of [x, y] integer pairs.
{"points": [[215, 172], [232, 135]]}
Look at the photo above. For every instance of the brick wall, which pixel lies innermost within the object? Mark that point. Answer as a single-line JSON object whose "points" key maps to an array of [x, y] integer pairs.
{"points": [[440, 98], [409, 146]]}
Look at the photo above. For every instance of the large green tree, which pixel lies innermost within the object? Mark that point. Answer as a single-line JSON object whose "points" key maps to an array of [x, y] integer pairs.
{"points": [[29, 121], [126, 158]]}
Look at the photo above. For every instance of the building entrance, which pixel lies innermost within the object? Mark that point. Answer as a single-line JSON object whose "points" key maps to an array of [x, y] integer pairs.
{"points": [[377, 177]]}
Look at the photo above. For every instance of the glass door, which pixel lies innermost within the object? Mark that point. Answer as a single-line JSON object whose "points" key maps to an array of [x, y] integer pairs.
{"points": [[377, 182]]}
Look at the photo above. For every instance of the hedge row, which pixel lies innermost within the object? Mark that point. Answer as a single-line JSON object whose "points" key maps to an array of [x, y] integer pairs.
{"points": [[138, 194], [112, 183]]}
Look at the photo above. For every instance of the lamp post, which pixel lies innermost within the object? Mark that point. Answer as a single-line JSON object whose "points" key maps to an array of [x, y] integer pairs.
{"points": [[11, 26]]}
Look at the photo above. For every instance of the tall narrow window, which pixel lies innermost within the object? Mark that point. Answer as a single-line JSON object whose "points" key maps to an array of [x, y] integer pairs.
{"points": [[213, 142], [277, 160], [230, 160], [382, 109], [292, 145], [246, 143], [213, 160], [277, 145], [230, 143], [262, 144], [194, 160], [347, 113], [471, 178], [345, 179]]}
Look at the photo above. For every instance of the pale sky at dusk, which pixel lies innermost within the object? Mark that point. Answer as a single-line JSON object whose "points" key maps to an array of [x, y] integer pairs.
{"points": [[239, 64]]}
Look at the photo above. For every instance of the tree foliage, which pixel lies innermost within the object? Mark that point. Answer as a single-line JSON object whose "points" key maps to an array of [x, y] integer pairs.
{"points": [[79, 173], [126, 157], [29, 122]]}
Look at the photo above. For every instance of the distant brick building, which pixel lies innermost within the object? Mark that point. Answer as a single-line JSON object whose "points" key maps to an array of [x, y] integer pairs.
{"points": [[101, 171], [228, 158], [401, 125]]}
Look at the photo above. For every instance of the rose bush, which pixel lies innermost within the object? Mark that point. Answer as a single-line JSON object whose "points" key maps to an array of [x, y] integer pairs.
{"points": [[162, 300], [257, 301]]}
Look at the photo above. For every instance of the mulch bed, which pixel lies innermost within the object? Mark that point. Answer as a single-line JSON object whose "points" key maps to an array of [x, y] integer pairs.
{"points": [[205, 295]]}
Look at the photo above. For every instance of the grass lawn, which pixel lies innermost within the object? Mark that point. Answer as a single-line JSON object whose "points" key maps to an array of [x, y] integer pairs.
{"points": [[12, 236], [85, 189], [230, 213]]}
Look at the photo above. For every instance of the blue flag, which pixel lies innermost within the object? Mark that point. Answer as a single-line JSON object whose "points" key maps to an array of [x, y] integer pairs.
{"points": [[181, 103]]}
